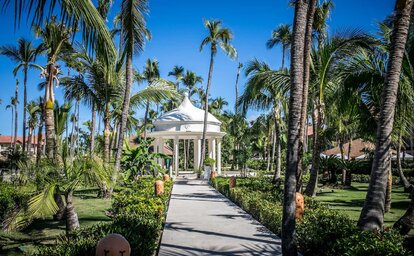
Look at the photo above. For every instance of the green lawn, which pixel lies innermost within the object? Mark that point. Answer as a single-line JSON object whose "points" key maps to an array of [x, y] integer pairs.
{"points": [[90, 209], [350, 201]]}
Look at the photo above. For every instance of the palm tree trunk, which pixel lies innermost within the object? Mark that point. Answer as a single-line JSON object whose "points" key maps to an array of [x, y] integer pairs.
{"points": [[273, 150], [403, 179], [348, 174], [341, 148], [388, 192], [60, 214], [39, 137], [24, 107], [306, 77], [203, 140], [312, 185], [125, 109], [406, 222], [283, 55], [372, 214], [16, 114], [29, 139], [72, 221], [106, 133], [49, 115], [289, 247], [93, 128], [276, 175], [146, 119], [237, 87]]}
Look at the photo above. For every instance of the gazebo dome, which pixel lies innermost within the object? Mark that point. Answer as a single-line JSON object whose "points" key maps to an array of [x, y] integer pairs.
{"points": [[186, 118]]}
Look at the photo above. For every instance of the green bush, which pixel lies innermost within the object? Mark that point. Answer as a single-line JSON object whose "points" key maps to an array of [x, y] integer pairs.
{"points": [[322, 231], [10, 198], [138, 215]]}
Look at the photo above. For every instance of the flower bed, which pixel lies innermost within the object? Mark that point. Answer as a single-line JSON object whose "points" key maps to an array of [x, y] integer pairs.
{"points": [[322, 231], [138, 215]]}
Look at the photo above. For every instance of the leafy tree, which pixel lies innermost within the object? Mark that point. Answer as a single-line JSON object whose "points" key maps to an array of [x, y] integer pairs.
{"points": [[281, 35]]}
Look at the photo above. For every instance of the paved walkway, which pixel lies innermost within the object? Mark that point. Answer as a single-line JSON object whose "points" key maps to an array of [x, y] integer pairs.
{"points": [[201, 221]]}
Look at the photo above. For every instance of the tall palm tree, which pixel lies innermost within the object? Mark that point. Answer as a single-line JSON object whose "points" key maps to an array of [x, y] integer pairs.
{"points": [[239, 67], [266, 90], [25, 56], [372, 214], [217, 37], [178, 73], [320, 20], [281, 35], [33, 109], [295, 105], [151, 73], [133, 33], [13, 106], [326, 76], [55, 37], [306, 78], [190, 81]]}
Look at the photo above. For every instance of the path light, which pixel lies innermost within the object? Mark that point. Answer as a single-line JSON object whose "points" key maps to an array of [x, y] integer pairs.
{"points": [[159, 187], [166, 177], [232, 182], [300, 206], [113, 245]]}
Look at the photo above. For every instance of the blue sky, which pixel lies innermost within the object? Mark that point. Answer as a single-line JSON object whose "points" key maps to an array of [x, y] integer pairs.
{"points": [[177, 31]]}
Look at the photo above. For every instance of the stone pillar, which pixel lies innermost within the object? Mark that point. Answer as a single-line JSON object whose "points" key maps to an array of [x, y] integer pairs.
{"points": [[197, 153], [161, 150], [175, 162], [212, 151], [218, 162]]}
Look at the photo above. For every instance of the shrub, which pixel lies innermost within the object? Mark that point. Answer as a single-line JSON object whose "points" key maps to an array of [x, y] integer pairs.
{"points": [[322, 231], [10, 198], [138, 215]]}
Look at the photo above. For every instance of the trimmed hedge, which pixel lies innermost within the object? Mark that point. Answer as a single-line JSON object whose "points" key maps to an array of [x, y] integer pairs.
{"points": [[138, 215], [322, 231]]}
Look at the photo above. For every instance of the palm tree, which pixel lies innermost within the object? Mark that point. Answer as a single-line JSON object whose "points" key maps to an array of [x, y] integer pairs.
{"points": [[217, 37], [77, 172], [25, 56], [79, 13], [372, 214], [266, 90], [239, 67], [178, 73], [217, 105], [33, 109], [320, 20], [151, 73], [295, 105], [281, 35], [190, 80], [306, 78], [13, 106], [133, 33], [55, 37], [326, 75]]}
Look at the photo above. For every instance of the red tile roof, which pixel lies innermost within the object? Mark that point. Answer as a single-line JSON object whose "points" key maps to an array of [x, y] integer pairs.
{"points": [[4, 139]]}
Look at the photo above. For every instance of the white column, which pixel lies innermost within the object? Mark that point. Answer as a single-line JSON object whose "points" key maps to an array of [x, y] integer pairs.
{"points": [[175, 162], [213, 152], [197, 153], [218, 162]]}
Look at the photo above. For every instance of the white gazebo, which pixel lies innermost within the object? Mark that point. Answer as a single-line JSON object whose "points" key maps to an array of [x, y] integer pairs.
{"points": [[186, 123]]}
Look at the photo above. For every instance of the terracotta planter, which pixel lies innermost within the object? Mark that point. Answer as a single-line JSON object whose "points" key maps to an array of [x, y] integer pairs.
{"points": [[159, 187], [166, 177], [300, 206], [213, 175], [113, 245], [232, 182]]}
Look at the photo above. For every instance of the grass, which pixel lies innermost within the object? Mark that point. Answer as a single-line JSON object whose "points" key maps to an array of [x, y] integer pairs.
{"points": [[90, 210], [351, 200]]}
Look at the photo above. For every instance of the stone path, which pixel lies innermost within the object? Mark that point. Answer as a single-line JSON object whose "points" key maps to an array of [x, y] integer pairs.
{"points": [[201, 221]]}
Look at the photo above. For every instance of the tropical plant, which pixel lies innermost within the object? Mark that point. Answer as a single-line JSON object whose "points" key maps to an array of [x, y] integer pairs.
{"points": [[217, 37], [140, 161], [281, 35]]}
